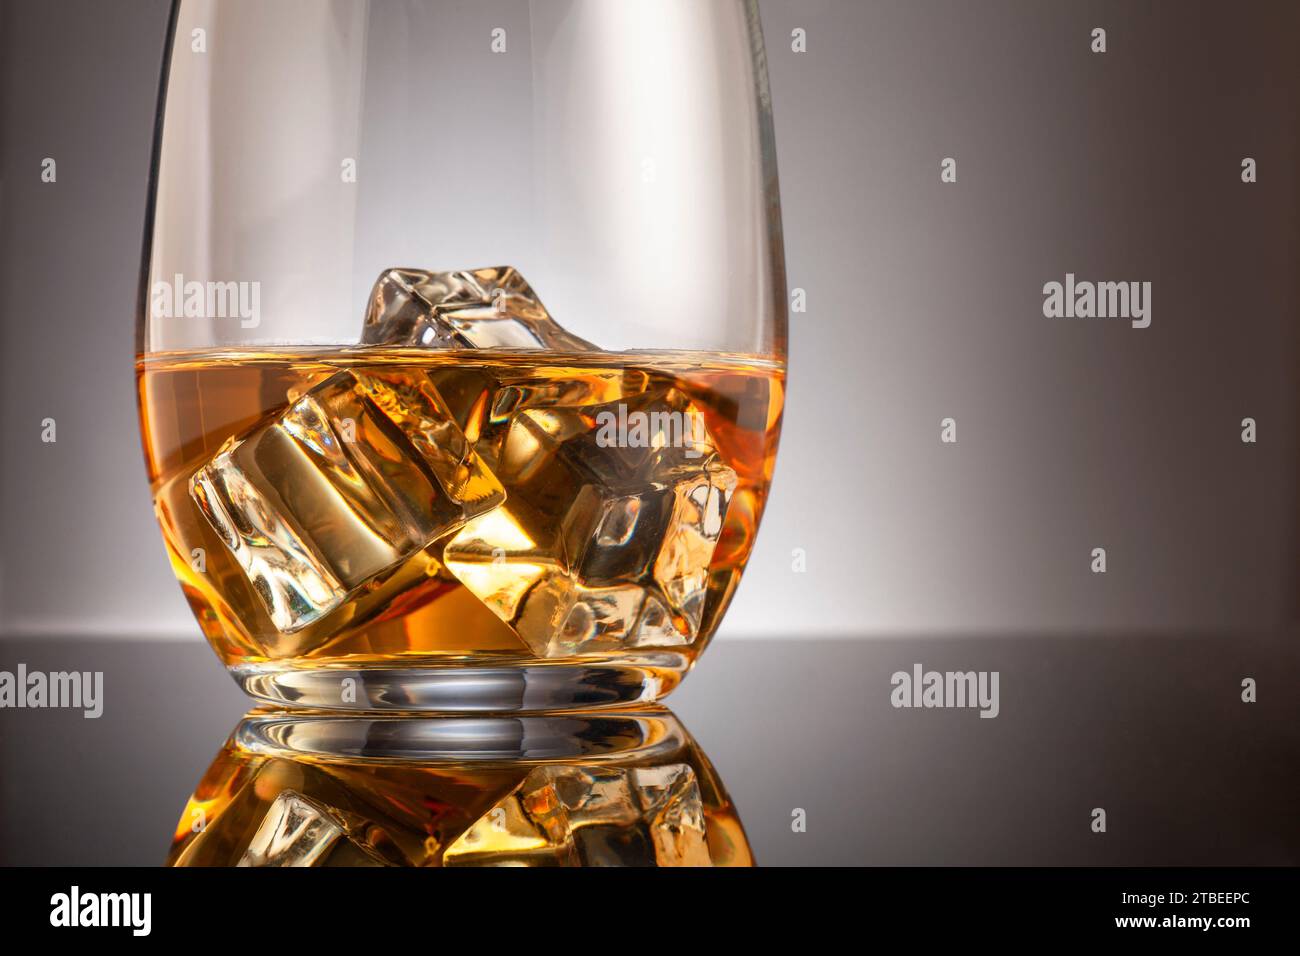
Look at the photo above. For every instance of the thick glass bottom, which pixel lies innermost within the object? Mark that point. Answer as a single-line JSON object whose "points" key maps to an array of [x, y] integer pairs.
{"points": [[463, 688]]}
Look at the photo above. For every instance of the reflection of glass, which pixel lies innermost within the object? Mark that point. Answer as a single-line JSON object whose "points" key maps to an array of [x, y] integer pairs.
{"points": [[374, 452], [618, 788]]}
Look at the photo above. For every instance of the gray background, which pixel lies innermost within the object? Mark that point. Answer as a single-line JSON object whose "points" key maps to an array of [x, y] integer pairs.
{"points": [[1118, 690], [924, 301]]}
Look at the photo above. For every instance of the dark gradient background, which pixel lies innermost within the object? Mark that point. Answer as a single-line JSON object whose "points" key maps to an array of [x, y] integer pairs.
{"points": [[924, 301]]}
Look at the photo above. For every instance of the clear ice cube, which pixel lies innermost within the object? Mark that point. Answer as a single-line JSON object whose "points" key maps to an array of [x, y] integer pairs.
{"points": [[592, 816], [473, 308], [608, 529], [357, 475]]}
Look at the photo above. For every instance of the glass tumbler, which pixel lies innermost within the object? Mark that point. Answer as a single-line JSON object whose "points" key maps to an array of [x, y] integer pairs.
{"points": [[461, 342]]}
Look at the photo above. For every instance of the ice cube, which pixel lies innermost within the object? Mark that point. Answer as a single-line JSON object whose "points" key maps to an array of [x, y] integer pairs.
{"points": [[357, 475], [592, 816], [297, 831], [475, 308], [608, 529]]}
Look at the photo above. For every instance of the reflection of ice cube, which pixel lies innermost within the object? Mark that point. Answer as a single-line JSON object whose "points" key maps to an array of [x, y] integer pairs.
{"points": [[592, 816], [358, 474], [297, 831], [476, 309], [604, 542]]}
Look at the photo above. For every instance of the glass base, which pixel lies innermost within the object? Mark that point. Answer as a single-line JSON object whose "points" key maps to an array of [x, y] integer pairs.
{"points": [[458, 689], [645, 734]]}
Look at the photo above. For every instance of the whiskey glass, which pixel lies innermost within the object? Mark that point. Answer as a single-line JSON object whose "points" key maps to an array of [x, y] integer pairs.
{"points": [[461, 343]]}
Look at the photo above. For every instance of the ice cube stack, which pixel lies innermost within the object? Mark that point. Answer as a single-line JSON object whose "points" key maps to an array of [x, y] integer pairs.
{"points": [[579, 539]]}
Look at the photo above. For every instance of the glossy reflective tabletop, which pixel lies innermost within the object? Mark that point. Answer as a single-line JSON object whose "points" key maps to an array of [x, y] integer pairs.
{"points": [[1152, 729]]}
